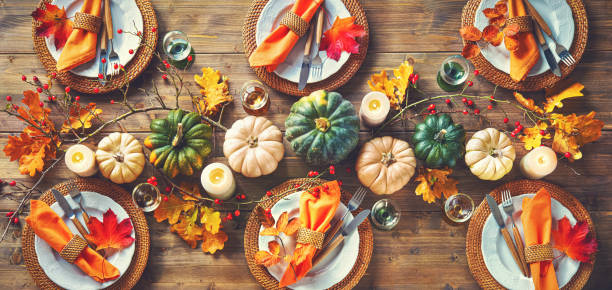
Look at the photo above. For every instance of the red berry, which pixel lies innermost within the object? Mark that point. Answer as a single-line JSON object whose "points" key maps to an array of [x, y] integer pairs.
{"points": [[41, 104], [465, 112], [464, 100], [154, 29], [96, 90], [168, 188], [242, 196], [217, 201], [476, 72], [310, 174], [477, 111], [506, 120], [54, 98], [10, 213], [131, 51], [119, 30], [543, 132], [567, 155], [24, 78], [167, 65], [112, 102], [325, 187], [470, 102], [35, 78], [237, 197], [15, 220], [9, 98], [50, 98], [268, 193], [39, 89], [46, 86], [517, 123], [432, 112], [296, 185], [100, 76], [103, 60], [77, 98], [116, 66], [339, 182], [139, 33], [13, 183], [348, 170], [153, 178], [237, 213], [520, 127], [470, 83], [165, 198], [332, 169], [490, 107], [164, 76], [165, 61], [448, 101], [190, 58], [15, 107], [513, 134], [268, 210], [492, 97], [416, 77], [431, 107], [67, 89], [53, 75]]}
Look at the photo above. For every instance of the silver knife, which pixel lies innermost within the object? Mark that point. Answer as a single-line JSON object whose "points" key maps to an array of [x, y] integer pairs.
{"points": [[63, 203], [75, 194], [550, 59], [305, 70], [347, 230], [103, 56], [500, 221]]}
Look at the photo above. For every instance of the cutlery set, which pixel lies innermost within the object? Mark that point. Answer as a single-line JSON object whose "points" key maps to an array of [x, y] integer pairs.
{"points": [[71, 213], [312, 62], [108, 56]]}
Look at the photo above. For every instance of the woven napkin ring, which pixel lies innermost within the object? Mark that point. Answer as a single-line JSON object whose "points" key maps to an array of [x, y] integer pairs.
{"points": [[308, 236], [87, 22], [538, 253], [73, 248], [524, 23], [295, 23]]}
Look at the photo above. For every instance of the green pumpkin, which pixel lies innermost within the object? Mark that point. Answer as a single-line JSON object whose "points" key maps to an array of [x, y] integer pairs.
{"points": [[438, 141], [179, 143], [322, 127]]}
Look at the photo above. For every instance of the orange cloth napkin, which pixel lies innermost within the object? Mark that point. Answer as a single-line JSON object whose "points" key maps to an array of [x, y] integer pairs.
{"points": [[275, 48], [528, 53], [537, 223], [51, 228], [81, 44], [315, 214]]}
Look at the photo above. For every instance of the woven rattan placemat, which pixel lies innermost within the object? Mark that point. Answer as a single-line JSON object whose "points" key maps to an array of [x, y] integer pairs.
{"points": [[133, 69], [120, 196], [251, 237], [537, 82], [473, 237], [331, 83]]}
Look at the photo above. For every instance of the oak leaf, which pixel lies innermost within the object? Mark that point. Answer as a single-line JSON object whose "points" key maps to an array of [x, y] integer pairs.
{"points": [[434, 183], [283, 225], [341, 37], [532, 137], [215, 91], [188, 229], [511, 43], [493, 35], [192, 188], [53, 21], [501, 7], [395, 88], [110, 235], [491, 13], [171, 209], [555, 101], [529, 104], [213, 242], [572, 132], [80, 117], [470, 50], [470, 33], [211, 219], [511, 29], [499, 21], [574, 241], [270, 257], [381, 83]]}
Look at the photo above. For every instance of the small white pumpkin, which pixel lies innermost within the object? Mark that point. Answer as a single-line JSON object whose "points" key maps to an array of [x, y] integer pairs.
{"points": [[489, 154], [385, 164], [120, 157], [253, 146]]}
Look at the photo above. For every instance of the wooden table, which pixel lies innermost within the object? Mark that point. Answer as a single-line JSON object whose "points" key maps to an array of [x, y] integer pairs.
{"points": [[424, 251]]}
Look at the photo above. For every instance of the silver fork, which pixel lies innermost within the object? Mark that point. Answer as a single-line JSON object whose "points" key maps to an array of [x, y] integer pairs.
{"points": [[565, 56], [113, 57], [509, 210], [317, 63]]}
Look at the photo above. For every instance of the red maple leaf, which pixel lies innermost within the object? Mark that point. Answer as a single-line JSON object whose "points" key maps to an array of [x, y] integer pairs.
{"points": [[53, 21], [109, 235], [573, 241], [341, 37]]}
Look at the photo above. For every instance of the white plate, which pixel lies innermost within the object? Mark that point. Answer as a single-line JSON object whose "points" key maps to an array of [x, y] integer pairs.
{"points": [[270, 18], [557, 14], [67, 275], [332, 269], [126, 16], [497, 256]]}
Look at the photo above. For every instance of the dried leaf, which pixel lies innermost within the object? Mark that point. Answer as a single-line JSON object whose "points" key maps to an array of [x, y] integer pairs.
{"points": [[511, 29], [270, 258], [80, 117], [470, 33], [572, 132], [574, 241], [211, 219], [511, 43], [532, 137], [271, 231], [401, 82], [282, 222], [53, 21], [501, 7], [527, 103], [188, 230], [434, 183], [500, 21], [265, 219], [283, 225], [380, 83], [215, 91], [341, 37], [109, 235], [192, 188], [491, 13], [575, 90], [470, 50], [213, 242], [171, 209], [292, 227], [492, 35]]}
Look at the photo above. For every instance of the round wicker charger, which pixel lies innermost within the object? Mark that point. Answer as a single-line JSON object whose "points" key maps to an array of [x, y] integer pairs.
{"points": [[120, 196], [331, 83], [537, 82], [133, 69], [251, 237], [473, 241]]}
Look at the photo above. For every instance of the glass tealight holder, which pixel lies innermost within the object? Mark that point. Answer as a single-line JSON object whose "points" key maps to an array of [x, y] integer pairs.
{"points": [[453, 73], [255, 98], [146, 196], [177, 48], [459, 207], [385, 214]]}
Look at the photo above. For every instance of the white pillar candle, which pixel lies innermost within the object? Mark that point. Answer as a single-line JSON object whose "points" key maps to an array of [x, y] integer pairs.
{"points": [[374, 109], [218, 181], [81, 160], [538, 163]]}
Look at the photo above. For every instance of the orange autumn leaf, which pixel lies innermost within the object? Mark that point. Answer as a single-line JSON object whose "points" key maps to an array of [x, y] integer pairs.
{"points": [[501, 7], [492, 35], [572, 132], [80, 117], [532, 137], [434, 183], [110, 235], [188, 229], [53, 21], [470, 50], [171, 209], [213, 242], [470, 33], [511, 29], [491, 13], [264, 218], [271, 231], [270, 258], [214, 91], [499, 21], [555, 101], [511, 43], [574, 241], [192, 188], [283, 225], [527, 103], [341, 37]]}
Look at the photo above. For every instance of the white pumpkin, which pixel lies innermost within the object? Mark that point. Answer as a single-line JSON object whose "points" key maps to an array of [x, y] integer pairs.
{"points": [[385, 164], [253, 146], [489, 154], [120, 157]]}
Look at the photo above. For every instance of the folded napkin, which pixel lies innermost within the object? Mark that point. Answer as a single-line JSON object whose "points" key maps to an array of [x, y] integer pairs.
{"points": [[315, 214], [51, 228], [528, 52], [537, 223], [81, 44], [275, 48]]}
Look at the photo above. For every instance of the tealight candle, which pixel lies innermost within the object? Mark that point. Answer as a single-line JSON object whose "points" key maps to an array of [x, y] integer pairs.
{"points": [[374, 109], [218, 181], [81, 160], [538, 163]]}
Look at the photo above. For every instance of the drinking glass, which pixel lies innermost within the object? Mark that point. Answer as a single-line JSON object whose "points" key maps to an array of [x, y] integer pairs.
{"points": [[255, 98], [177, 47], [385, 214], [453, 73], [459, 207], [146, 196]]}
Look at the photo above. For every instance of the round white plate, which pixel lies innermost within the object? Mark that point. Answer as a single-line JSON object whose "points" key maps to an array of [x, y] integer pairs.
{"points": [[126, 16], [332, 269], [497, 256], [557, 14], [67, 275], [270, 18]]}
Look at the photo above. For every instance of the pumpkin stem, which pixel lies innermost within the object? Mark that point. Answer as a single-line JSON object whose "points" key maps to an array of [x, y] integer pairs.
{"points": [[118, 156], [387, 158], [179, 135], [496, 153], [440, 135], [252, 141], [322, 124]]}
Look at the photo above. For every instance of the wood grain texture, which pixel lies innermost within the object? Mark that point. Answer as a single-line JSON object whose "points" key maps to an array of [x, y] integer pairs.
{"points": [[425, 251]]}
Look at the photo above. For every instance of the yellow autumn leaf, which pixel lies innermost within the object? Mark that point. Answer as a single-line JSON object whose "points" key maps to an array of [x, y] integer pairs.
{"points": [[270, 258], [394, 88], [213, 242], [211, 219], [402, 80], [555, 101], [188, 229], [532, 137], [572, 132], [214, 91], [171, 209], [434, 183], [80, 117], [527, 103], [381, 83]]}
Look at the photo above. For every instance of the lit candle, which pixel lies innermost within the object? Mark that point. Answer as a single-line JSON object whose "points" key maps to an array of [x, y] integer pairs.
{"points": [[374, 109], [81, 160], [538, 163], [218, 181]]}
